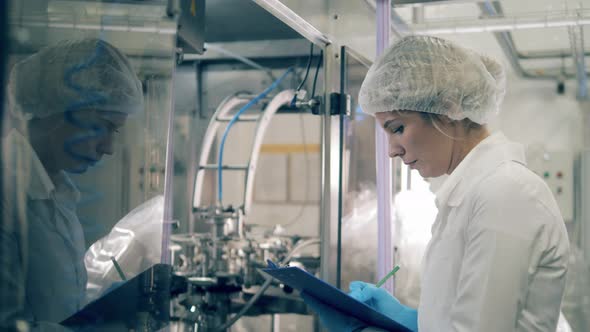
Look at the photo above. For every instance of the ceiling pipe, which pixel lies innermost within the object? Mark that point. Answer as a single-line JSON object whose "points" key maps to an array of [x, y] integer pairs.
{"points": [[506, 42], [577, 43], [508, 46], [502, 23], [399, 27], [527, 55], [417, 15], [549, 54]]}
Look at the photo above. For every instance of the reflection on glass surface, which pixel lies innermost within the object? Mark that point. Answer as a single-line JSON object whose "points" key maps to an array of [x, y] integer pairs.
{"points": [[359, 202], [83, 144]]}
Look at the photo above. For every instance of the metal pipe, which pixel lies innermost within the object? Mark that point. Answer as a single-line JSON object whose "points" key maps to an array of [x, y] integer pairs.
{"points": [[548, 54], [576, 35], [281, 99], [264, 287], [525, 55], [163, 26], [500, 24], [330, 126], [508, 46], [289, 17], [168, 182], [192, 171], [417, 15]]}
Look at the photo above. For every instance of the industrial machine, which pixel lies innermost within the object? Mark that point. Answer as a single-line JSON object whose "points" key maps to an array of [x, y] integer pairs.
{"points": [[221, 265]]}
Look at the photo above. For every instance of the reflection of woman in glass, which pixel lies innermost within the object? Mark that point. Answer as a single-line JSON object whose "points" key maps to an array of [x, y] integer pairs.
{"points": [[68, 100]]}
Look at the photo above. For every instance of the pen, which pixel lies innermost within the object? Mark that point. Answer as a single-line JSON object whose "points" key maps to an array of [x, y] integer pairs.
{"points": [[118, 268], [389, 275]]}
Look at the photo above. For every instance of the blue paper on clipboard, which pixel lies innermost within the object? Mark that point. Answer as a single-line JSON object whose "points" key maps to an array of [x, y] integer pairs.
{"points": [[332, 296]]}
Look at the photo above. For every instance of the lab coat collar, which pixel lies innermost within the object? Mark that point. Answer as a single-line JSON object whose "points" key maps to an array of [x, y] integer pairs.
{"points": [[21, 163], [486, 156]]}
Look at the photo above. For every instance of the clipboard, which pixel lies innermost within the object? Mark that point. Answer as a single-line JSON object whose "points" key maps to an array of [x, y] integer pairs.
{"points": [[125, 305], [334, 297]]}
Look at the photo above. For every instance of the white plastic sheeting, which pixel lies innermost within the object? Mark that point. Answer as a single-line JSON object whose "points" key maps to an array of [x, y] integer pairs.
{"points": [[359, 240], [414, 213], [135, 242]]}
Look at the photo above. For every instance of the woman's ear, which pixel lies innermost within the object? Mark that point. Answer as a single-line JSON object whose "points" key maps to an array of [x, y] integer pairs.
{"points": [[445, 120], [452, 110]]}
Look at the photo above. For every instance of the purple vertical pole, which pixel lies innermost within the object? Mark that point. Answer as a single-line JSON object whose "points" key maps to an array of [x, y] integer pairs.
{"points": [[384, 173]]}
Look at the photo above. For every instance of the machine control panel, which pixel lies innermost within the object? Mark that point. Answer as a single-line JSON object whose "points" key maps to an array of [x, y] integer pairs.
{"points": [[556, 168]]}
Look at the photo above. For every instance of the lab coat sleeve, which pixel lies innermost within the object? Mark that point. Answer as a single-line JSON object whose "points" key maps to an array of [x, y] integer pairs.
{"points": [[507, 240], [12, 277], [12, 273]]}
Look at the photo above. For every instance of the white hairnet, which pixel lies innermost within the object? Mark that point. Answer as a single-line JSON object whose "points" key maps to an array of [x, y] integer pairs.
{"points": [[73, 75], [433, 75]]}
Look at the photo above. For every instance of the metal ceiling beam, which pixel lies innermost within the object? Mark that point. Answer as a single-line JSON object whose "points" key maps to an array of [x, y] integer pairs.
{"points": [[504, 24], [296, 22], [526, 55], [508, 46], [507, 43], [577, 43], [548, 54], [399, 3]]}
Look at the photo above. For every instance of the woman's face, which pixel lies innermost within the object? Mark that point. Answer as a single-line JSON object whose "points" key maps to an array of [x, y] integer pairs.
{"points": [[417, 142], [78, 141]]}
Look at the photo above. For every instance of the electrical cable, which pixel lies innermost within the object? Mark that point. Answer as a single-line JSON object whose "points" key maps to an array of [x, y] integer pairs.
{"points": [[231, 123], [315, 76], [308, 66], [309, 59]]}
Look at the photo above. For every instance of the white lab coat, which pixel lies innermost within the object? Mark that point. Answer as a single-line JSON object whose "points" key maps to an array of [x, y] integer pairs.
{"points": [[42, 274], [498, 255]]}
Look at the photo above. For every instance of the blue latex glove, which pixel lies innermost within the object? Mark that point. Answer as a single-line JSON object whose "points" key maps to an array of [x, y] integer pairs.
{"points": [[332, 319], [380, 300]]}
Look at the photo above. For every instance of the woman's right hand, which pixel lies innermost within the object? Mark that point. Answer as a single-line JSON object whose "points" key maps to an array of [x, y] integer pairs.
{"points": [[380, 300]]}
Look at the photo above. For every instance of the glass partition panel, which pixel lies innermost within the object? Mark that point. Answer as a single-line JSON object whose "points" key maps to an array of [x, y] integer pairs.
{"points": [[83, 153], [359, 201], [248, 169]]}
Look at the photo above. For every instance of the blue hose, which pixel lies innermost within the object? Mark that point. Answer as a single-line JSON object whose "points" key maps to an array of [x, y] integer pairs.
{"points": [[233, 120]]}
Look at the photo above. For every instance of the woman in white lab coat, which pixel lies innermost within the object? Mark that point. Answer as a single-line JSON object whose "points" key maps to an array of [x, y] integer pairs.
{"points": [[498, 255], [67, 101]]}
